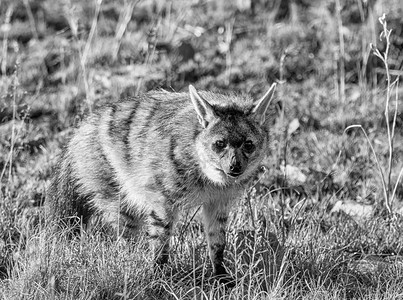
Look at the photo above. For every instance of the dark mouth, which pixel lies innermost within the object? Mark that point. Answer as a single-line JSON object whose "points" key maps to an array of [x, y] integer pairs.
{"points": [[231, 174], [234, 175]]}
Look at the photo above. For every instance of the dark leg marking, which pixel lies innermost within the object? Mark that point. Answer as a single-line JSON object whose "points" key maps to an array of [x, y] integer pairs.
{"points": [[217, 250], [222, 219], [159, 222]]}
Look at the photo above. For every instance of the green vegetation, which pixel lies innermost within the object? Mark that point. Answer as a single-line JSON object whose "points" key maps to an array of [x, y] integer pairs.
{"points": [[322, 221]]}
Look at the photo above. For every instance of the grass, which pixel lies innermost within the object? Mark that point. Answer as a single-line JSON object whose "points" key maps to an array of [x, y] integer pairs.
{"points": [[312, 226]]}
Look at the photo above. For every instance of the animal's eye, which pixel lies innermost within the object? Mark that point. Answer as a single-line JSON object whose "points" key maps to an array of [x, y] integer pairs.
{"points": [[220, 144], [249, 146]]}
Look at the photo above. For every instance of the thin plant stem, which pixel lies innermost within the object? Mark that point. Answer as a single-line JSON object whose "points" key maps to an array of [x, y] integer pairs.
{"points": [[14, 133], [84, 55], [396, 84], [341, 51], [388, 79], [13, 129], [92, 32], [397, 183], [390, 131], [124, 20], [384, 185], [31, 19], [6, 27]]}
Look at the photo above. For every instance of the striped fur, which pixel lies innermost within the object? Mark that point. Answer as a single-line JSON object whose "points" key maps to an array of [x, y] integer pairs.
{"points": [[137, 163]]}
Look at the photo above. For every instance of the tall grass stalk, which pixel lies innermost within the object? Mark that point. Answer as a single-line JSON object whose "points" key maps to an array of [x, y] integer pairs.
{"points": [[92, 32], [229, 26], [6, 29], [83, 55], [87, 50], [121, 27], [389, 191], [31, 19], [342, 54], [152, 38], [14, 132]]}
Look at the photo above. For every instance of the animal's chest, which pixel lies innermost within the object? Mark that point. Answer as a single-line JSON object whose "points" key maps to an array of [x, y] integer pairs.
{"points": [[212, 195]]}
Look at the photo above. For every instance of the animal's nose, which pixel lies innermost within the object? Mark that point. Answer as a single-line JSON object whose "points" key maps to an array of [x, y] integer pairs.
{"points": [[235, 167]]}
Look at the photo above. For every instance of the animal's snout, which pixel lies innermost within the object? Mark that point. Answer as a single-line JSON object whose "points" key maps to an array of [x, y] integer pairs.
{"points": [[235, 167]]}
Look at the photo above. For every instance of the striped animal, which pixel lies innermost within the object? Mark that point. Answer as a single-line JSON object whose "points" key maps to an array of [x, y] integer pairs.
{"points": [[137, 163]]}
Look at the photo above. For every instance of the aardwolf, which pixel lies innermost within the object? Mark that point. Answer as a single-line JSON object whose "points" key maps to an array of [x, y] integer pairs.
{"points": [[136, 163]]}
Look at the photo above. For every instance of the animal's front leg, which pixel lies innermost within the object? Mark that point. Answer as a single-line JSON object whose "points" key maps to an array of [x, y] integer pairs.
{"points": [[215, 223], [159, 232]]}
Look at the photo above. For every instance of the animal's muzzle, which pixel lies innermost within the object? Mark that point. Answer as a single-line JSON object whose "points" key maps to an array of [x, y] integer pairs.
{"points": [[235, 168]]}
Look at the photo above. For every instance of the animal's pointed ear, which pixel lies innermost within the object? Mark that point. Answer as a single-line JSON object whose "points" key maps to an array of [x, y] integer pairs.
{"points": [[260, 107], [205, 112]]}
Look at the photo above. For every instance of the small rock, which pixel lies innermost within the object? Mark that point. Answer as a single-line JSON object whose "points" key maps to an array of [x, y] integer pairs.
{"points": [[293, 126], [354, 209], [293, 173]]}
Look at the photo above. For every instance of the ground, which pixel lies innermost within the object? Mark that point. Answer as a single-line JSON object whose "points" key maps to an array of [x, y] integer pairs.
{"points": [[323, 218]]}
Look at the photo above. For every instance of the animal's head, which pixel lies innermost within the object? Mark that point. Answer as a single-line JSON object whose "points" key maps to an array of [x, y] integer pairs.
{"points": [[233, 140]]}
